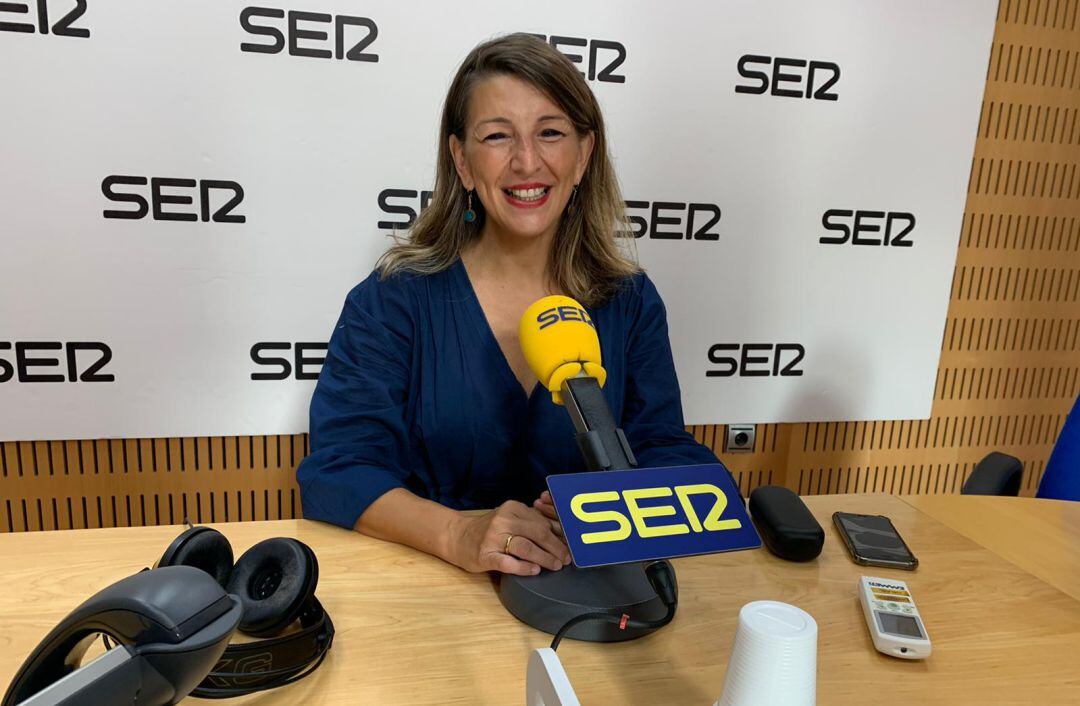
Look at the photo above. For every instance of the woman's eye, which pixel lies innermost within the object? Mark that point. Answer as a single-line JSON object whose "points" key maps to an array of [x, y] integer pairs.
{"points": [[495, 137], [551, 133]]}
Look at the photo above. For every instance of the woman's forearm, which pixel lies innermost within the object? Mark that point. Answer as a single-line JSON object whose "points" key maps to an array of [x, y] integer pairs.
{"points": [[402, 517]]}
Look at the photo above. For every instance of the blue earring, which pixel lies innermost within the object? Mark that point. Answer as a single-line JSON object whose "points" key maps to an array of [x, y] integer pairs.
{"points": [[470, 215]]}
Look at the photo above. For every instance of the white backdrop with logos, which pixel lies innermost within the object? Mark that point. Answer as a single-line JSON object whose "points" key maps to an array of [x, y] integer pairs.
{"points": [[190, 189]]}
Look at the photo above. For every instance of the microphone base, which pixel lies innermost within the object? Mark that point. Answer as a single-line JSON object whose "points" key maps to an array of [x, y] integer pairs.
{"points": [[551, 598]]}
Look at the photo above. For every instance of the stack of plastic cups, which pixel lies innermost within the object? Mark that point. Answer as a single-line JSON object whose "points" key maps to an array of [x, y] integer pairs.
{"points": [[774, 658]]}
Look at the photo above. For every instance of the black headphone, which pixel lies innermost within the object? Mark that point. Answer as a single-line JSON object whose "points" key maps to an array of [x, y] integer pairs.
{"points": [[275, 581]]}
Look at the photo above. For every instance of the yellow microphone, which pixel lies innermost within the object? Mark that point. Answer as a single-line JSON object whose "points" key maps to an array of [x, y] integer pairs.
{"points": [[559, 341]]}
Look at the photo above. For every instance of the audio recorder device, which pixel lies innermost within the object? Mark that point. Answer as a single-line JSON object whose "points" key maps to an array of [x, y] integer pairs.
{"points": [[895, 624]]}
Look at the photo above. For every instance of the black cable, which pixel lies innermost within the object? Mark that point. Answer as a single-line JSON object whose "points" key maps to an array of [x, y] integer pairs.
{"points": [[606, 617], [660, 578], [623, 620]]}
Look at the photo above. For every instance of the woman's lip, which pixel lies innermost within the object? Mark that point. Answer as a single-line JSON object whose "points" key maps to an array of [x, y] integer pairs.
{"points": [[517, 203]]}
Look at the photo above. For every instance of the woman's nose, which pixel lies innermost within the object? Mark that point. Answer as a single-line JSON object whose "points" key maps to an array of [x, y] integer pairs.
{"points": [[525, 158]]}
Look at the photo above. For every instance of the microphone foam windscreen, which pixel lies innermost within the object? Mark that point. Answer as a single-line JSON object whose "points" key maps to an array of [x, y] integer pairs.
{"points": [[786, 525], [559, 341]]}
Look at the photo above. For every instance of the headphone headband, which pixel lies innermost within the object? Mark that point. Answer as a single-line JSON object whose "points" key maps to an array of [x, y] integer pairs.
{"points": [[266, 664]]}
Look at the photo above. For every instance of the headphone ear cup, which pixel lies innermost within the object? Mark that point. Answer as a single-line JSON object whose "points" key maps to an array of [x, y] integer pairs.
{"points": [[204, 548], [274, 580]]}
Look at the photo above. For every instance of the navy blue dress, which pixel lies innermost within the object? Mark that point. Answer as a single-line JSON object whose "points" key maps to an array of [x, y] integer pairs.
{"points": [[415, 393]]}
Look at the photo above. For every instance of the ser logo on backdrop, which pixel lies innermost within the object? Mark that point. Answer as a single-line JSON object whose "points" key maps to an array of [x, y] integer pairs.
{"points": [[756, 360], [55, 361], [318, 35], [166, 197], [65, 12], [792, 78], [412, 202], [860, 227], [660, 220], [300, 361], [601, 59], [673, 220]]}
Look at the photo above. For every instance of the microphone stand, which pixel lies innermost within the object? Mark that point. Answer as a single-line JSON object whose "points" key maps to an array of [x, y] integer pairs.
{"points": [[551, 598]]}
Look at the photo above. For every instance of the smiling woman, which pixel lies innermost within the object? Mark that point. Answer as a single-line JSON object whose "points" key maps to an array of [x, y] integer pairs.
{"points": [[425, 405], [536, 141]]}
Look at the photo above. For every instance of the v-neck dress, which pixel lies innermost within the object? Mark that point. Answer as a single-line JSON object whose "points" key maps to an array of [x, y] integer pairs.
{"points": [[415, 393]]}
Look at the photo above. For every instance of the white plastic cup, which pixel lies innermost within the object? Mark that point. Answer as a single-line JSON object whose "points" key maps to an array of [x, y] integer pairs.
{"points": [[774, 657]]}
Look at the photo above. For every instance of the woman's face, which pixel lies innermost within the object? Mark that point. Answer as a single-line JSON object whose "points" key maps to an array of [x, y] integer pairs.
{"points": [[522, 155]]}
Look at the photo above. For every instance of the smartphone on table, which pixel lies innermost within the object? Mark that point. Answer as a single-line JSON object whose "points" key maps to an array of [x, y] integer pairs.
{"points": [[873, 541]]}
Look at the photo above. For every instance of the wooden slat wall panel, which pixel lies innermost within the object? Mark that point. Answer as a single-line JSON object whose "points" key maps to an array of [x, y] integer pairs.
{"points": [[109, 483], [1009, 370]]}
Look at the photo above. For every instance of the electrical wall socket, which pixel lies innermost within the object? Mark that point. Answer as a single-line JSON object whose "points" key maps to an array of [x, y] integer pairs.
{"points": [[740, 438]]}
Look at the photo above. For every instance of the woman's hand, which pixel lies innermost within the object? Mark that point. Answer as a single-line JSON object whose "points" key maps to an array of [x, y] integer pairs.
{"points": [[512, 538], [546, 506]]}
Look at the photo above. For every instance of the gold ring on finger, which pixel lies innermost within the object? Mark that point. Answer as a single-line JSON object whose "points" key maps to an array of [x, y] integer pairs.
{"points": [[506, 547]]}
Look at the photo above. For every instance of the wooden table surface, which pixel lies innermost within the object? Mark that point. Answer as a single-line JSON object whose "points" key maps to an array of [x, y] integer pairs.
{"points": [[414, 630], [1042, 537]]}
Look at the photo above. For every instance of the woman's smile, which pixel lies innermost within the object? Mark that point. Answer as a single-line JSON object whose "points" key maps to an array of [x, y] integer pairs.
{"points": [[532, 195]]}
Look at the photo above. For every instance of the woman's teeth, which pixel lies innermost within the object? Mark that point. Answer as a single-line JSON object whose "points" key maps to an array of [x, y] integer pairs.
{"points": [[527, 194]]}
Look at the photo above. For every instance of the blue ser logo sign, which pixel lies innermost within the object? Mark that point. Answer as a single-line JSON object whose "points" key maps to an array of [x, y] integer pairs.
{"points": [[615, 517]]}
